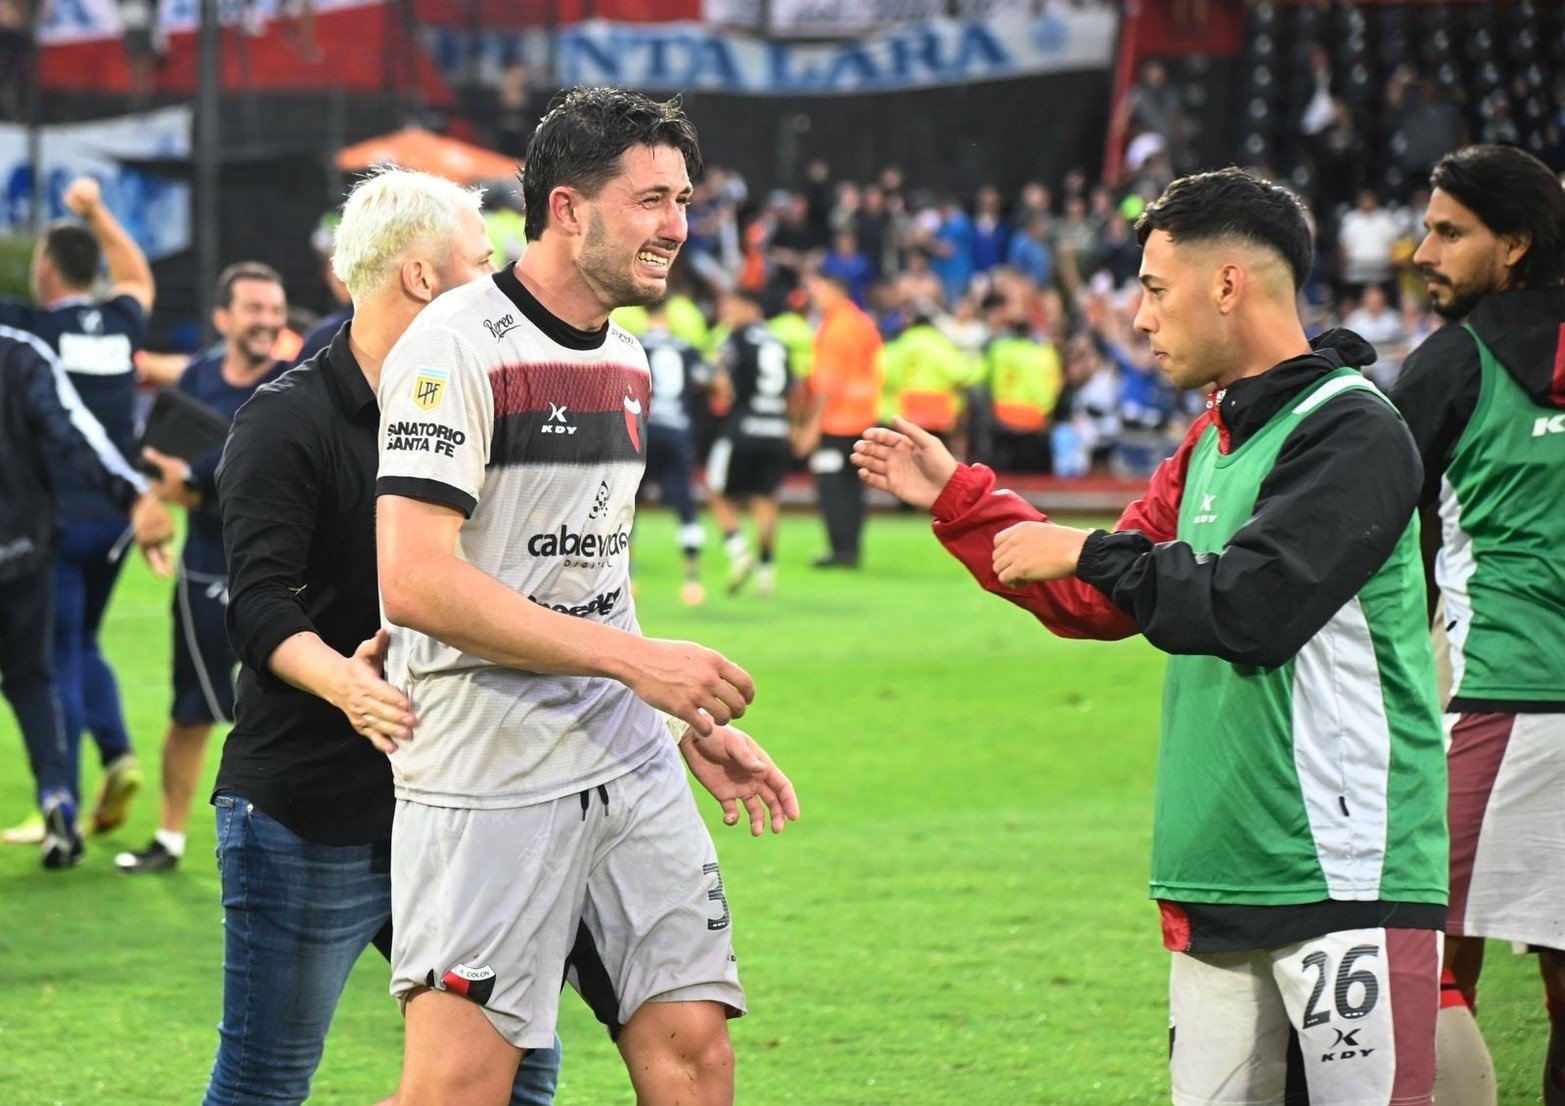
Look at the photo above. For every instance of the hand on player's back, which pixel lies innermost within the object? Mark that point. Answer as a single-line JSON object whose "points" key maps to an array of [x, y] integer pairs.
{"points": [[378, 711], [908, 462], [689, 681]]}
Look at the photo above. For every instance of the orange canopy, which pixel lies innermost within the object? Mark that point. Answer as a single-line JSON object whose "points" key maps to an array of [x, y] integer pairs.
{"points": [[427, 152]]}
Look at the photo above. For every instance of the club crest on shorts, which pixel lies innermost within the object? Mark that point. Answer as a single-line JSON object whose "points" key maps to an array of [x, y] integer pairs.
{"points": [[429, 388], [471, 981]]}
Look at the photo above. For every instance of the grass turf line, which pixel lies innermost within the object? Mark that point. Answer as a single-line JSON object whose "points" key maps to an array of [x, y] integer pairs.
{"points": [[961, 916]]}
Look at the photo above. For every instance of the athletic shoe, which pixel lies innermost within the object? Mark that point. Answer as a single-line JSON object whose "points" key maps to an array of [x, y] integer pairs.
{"points": [[154, 858], [766, 580], [740, 566], [120, 783], [691, 593], [29, 831], [62, 840]]}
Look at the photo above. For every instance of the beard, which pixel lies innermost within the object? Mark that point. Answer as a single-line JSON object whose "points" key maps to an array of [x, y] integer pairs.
{"points": [[608, 272], [1459, 302], [256, 344]]}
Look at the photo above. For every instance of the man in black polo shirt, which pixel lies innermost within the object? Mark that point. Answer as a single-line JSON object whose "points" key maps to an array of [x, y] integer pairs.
{"points": [[302, 796]]}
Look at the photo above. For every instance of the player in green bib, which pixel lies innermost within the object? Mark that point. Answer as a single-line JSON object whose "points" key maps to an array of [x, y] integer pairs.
{"points": [[1485, 400], [1299, 840]]}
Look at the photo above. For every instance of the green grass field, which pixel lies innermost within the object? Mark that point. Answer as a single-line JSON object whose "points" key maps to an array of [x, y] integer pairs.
{"points": [[960, 917]]}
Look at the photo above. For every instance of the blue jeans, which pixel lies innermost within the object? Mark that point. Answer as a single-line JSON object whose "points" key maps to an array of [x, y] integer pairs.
{"points": [[296, 916], [84, 579]]}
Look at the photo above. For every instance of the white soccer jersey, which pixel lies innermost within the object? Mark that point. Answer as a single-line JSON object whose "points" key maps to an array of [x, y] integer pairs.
{"points": [[535, 431]]}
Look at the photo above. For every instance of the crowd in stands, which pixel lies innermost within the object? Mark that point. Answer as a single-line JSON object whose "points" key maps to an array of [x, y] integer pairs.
{"points": [[1008, 318]]}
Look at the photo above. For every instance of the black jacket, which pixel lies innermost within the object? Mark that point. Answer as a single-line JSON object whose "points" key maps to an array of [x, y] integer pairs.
{"points": [[43, 421], [1326, 518]]}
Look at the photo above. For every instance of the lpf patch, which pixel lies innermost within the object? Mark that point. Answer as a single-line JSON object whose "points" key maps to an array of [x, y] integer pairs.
{"points": [[429, 388], [472, 981]]}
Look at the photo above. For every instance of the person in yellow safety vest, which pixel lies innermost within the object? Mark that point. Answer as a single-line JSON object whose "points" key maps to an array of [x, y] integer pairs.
{"points": [[926, 379], [685, 321], [1023, 378], [797, 334]]}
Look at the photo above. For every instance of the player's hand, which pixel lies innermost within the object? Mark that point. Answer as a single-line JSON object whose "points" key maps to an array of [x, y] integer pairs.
{"points": [[908, 462], [153, 529], [377, 711], [1033, 551], [83, 197], [735, 769], [695, 684], [169, 485]]}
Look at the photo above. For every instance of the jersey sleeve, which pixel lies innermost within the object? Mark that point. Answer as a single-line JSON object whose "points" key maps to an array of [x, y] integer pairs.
{"points": [[132, 317], [1437, 392], [436, 420], [971, 512]]}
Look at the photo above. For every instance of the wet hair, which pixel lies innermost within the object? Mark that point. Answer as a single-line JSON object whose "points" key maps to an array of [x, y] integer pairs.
{"points": [[243, 270], [1512, 193], [1231, 203], [581, 138], [74, 252]]}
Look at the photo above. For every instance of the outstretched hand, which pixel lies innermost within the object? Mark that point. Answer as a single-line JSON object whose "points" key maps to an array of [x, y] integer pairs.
{"points": [[735, 769], [907, 462]]}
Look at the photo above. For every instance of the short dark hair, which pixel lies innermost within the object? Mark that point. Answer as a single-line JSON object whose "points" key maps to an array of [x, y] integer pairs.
{"points": [[1231, 203], [581, 138], [1512, 192], [74, 252], [243, 270], [751, 296]]}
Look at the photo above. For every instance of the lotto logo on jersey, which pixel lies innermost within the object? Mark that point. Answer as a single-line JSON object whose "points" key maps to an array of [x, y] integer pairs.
{"points": [[429, 388]]}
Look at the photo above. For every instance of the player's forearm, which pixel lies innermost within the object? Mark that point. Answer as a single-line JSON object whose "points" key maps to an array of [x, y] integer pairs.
{"points": [[306, 662], [126, 263], [448, 599]]}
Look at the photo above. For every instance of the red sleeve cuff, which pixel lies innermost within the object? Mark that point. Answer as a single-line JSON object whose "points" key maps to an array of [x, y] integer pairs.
{"points": [[968, 484]]}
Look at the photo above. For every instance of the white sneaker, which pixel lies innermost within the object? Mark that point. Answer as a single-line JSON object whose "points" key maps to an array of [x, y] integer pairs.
{"points": [[740, 566], [766, 580], [29, 831]]}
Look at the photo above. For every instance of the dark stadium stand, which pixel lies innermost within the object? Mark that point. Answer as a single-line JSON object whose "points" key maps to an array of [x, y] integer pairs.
{"points": [[1399, 77]]}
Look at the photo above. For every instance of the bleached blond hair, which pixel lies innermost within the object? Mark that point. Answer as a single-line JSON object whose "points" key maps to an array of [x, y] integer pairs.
{"points": [[391, 213]]}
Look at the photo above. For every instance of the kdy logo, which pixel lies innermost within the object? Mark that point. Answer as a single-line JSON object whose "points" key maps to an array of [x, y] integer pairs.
{"points": [[557, 423], [429, 388]]}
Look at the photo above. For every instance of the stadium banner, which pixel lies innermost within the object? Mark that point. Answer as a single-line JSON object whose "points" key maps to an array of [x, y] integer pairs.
{"points": [[154, 210], [846, 18], [695, 57], [72, 21]]}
